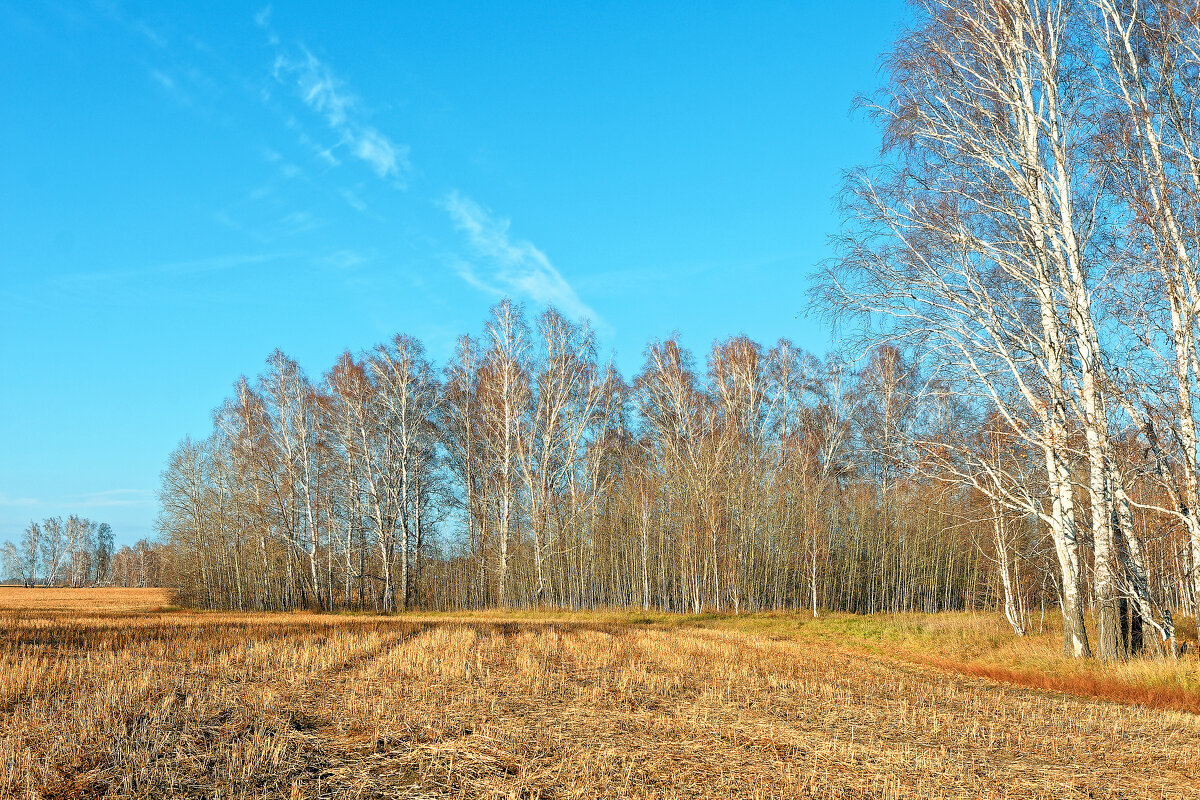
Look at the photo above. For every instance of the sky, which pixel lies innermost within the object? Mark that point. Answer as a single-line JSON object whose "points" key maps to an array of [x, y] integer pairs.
{"points": [[185, 187]]}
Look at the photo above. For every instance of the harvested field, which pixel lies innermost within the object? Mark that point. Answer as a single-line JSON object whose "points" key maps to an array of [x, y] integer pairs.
{"points": [[128, 703], [14, 599]]}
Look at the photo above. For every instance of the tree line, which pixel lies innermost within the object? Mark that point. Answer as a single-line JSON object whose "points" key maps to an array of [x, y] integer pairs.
{"points": [[77, 551], [524, 472]]}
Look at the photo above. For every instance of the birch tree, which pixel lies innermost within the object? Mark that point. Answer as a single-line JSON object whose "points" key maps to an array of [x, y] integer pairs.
{"points": [[408, 393], [505, 388], [956, 245], [1152, 146]]}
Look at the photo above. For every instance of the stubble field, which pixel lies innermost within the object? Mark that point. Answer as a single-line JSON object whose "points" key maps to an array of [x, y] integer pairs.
{"points": [[110, 693]]}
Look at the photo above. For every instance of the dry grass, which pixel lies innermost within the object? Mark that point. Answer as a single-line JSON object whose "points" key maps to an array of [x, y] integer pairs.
{"points": [[983, 645], [176, 704], [14, 599]]}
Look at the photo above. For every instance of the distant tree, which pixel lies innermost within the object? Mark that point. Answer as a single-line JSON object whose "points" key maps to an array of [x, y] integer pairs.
{"points": [[31, 552], [103, 553], [13, 565], [54, 546]]}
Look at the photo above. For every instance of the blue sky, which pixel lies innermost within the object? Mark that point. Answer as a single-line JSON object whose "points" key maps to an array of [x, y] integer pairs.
{"points": [[186, 187]]}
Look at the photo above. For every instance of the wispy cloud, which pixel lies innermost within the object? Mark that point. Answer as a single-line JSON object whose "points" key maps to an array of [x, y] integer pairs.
{"points": [[263, 20], [108, 498], [200, 265], [353, 200], [115, 498], [316, 85], [267, 212], [345, 259], [287, 169], [163, 79], [377, 150], [509, 266], [298, 222]]}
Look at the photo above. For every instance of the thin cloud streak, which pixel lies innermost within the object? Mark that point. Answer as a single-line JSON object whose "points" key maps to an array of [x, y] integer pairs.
{"points": [[5, 500], [514, 266], [192, 267], [109, 498], [115, 498], [327, 95], [502, 265]]}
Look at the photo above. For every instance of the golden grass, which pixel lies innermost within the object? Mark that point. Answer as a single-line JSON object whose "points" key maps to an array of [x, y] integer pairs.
{"points": [[177, 704], [983, 645], [16, 598]]}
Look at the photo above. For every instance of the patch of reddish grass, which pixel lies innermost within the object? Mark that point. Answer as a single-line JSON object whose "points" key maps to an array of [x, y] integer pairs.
{"points": [[1163, 698]]}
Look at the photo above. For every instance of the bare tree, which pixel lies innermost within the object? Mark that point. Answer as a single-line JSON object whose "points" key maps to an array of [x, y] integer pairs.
{"points": [[506, 397], [966, 246], [408, 396]]}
